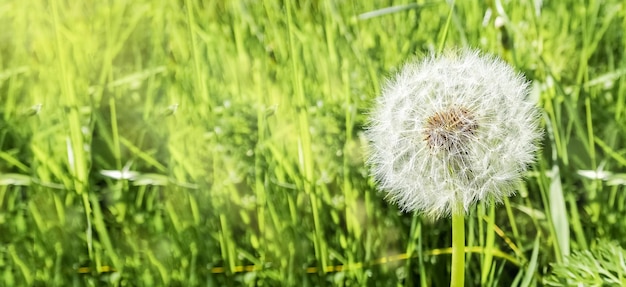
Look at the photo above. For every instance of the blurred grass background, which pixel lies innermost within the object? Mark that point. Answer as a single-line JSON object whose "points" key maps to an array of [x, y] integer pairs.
{"points": [[186, 143]]}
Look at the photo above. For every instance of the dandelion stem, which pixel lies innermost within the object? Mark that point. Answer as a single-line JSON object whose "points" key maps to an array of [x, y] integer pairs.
{"points": [[458, 249]]}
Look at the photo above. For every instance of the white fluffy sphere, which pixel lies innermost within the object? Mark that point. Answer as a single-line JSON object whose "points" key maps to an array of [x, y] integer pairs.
{"points": [[451, 130]]}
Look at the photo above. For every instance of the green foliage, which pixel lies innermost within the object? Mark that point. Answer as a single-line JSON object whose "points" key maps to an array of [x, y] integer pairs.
{"points": [[604, 264], [187, 143]]}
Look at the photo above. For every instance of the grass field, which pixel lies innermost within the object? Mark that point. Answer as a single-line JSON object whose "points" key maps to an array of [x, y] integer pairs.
{"points": [[188, 143]]}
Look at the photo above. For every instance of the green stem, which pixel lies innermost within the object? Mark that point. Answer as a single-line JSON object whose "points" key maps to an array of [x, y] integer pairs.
{"points": [[458, 249], [444, 36]]}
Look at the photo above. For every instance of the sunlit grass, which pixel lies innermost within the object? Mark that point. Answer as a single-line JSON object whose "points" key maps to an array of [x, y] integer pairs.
{"points": [[220, 142]]}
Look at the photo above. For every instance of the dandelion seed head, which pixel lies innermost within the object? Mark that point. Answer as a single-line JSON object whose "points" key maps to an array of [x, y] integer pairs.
{"points": [[453, 128], [448, 130]]}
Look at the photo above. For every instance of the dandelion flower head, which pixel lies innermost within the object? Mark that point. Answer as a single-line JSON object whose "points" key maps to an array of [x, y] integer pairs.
{"points": [[452, 130]]}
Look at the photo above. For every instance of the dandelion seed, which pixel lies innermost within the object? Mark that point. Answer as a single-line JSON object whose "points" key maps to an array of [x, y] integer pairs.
{"points": [[457, 128]]}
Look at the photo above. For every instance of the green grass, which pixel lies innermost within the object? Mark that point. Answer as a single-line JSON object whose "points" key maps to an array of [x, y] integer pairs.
{"points": [[187, 143]]}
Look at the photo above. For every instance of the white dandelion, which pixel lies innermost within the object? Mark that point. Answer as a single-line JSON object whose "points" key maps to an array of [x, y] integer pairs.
{"points": [[452, 130]]}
